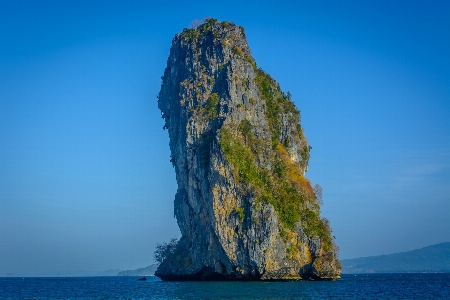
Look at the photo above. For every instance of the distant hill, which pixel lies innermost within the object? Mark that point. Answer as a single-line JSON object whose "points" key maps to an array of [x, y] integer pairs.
{"points": [[435, 258], [147, 271], [108, 272]]}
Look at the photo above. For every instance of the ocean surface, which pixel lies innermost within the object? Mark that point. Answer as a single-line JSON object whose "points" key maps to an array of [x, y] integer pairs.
{"points": [[375, 286]]}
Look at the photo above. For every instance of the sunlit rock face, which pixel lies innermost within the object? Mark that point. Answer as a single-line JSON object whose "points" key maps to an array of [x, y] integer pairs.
{"points": [[243, 205]]}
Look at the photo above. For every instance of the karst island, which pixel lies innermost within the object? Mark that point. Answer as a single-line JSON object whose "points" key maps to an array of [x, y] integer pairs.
{"points": [[245, 209]]}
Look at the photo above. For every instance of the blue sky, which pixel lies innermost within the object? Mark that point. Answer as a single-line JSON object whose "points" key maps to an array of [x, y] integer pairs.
{"points": [[85, 178]]}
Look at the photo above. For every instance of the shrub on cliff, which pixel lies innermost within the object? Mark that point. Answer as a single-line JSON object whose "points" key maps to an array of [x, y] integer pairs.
{"points": [[165, 250]]}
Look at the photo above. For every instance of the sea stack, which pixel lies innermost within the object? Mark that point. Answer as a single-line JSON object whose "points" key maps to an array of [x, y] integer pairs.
{"points": [[245, 209]]}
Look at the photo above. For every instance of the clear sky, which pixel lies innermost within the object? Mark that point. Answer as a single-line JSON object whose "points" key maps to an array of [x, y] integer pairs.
{"points": [[85, 179]]}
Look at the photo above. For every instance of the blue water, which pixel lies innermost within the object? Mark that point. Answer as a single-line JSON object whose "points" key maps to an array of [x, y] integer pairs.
{"points": [[376, 286]]}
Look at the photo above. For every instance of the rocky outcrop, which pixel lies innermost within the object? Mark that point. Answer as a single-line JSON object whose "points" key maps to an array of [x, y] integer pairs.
{"points": [[243, 205]]}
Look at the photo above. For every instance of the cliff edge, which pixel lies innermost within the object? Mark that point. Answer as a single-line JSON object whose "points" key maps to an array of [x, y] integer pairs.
{"points": [[243, 205]]}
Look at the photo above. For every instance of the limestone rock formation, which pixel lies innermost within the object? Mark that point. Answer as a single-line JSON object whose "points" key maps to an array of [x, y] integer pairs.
{"points": [[243, 205]]}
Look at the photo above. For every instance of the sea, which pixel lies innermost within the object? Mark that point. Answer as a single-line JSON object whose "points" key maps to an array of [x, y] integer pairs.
{"points": [[370, 286]]}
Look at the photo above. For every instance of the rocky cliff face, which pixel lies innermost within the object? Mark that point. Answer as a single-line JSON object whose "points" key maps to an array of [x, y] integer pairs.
{"points": [[243, 205]]}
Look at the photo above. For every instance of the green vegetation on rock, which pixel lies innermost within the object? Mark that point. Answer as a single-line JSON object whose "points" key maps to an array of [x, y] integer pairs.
{"points": [[211, 108], [285, 186], [286, 190], [241, 214], [199, 32]]}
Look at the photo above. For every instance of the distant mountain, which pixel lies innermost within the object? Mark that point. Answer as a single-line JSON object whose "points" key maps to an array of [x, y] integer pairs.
{"points": [[108, 272], [81, 273], [147, 271], [435, 258]]}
